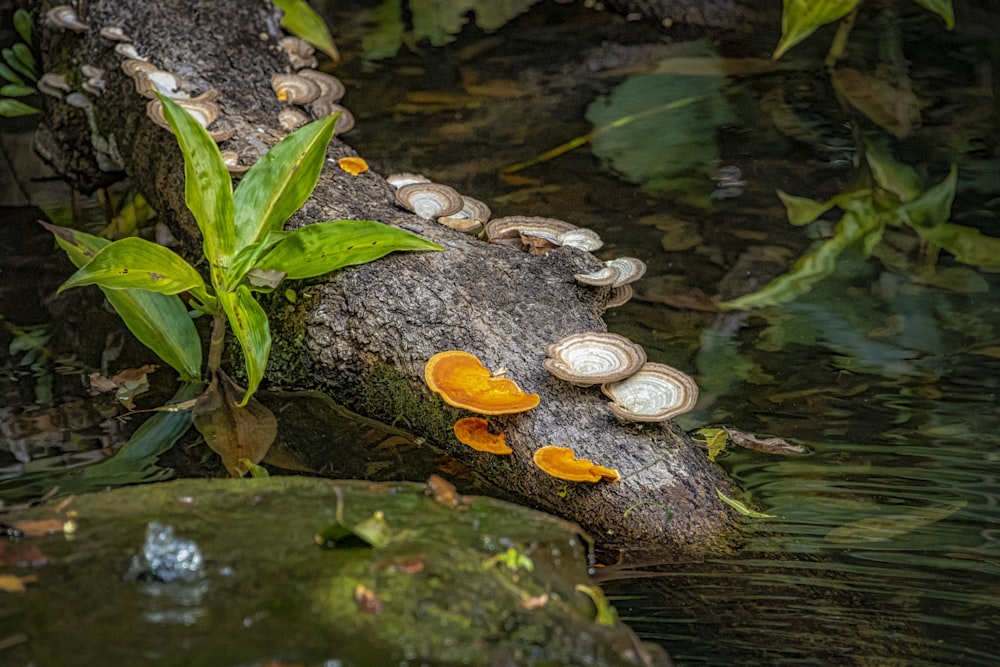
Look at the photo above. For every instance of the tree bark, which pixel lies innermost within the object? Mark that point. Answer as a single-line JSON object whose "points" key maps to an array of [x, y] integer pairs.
{"points": [[730, 16], [365, 333]]}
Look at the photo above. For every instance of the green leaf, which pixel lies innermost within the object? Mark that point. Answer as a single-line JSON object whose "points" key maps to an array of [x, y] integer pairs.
{"points": [[16, 90], [860, 231], [801, 17], [22, 24], [900, 179], [280, 182], [942, 8], [26, 58], [325, 246], [208, 188], [802, 210], [248, 256], [933, 207], [14, 108], [249, 323], [301, 20], [741, 508], [135, 263], [967, 244], [15, 63], [156, 435], [9, 74], [159, 321]]}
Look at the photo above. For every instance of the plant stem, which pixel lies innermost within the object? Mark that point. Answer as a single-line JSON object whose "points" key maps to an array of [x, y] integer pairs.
{"points": [[215, 343], [839, 45]]}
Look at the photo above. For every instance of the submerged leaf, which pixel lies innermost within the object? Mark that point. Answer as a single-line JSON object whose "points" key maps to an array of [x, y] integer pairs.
{"points": [[235, 430], [326, 246], [891, 526], [802, 210]]}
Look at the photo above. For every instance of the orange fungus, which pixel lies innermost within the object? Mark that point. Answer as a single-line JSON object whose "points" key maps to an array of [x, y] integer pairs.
{"points": [[353, 165], [475, 433], [464, 382], [561, 462]]}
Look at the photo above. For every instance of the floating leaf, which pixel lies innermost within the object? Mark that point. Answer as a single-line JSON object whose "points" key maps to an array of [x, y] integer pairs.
{"points": [[741, 508], [301, 20], [326, 246], [801, 18], [234, 425], [715, 440], [766, 445]]}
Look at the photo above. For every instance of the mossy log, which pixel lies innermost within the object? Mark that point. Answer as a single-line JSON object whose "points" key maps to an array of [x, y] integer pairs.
{"points": [[364, 334]]}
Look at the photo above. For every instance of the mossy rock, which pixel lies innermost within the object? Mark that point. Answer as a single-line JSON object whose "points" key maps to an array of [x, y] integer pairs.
{"points": [[458, 580]]}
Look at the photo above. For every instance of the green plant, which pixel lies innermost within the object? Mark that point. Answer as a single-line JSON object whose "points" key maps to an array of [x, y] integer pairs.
{"points": [[19, 70], [886, 192], [246, 250], [300, 19]]}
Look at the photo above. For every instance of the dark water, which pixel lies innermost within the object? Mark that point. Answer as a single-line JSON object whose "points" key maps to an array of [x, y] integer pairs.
{"points": [[884, 544]]}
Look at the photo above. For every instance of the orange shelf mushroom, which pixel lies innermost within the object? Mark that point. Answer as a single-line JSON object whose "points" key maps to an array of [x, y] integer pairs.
{"points": [[354, 166], [475, 432], [464, 382], [561, 462]]}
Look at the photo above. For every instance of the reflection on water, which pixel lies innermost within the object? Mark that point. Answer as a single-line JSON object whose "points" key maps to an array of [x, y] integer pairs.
{"points": [[884, 549]]}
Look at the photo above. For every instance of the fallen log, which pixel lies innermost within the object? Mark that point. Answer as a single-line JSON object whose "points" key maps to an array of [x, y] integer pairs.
{"points": [[364, 334]]}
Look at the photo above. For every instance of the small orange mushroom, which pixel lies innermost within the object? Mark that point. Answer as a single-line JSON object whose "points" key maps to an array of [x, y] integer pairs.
{"points": [[353, 165], [475, 432], [464, 382], [561, 462]]}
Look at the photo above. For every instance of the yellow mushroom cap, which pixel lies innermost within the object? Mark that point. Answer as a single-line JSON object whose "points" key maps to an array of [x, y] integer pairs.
{"points": [[464, 382], [561, 462], [475, 432]]}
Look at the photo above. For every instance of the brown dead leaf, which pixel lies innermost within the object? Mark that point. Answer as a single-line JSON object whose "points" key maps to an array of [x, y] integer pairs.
{"points": [[234, 432], [11, 583], [39, 527], [21, 555], [896, 110], [766, 445], [127, 384], [367, 601]]}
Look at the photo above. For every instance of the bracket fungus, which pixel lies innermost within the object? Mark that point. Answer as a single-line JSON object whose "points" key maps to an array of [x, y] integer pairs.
{"points": [[300, 52], [561, 462], [539, 235], [429, 200], [294, 89], [593, 357], [619, 296], [405, 178], [114, 33], [656, 392], [470, 219], [203, 108], [65, 17], [53, 84], [330, 87], [475, 432], [463, 382]]}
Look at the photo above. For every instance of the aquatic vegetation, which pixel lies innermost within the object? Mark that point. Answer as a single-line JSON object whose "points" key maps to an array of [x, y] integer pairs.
{"points": [[247, 251], [19, 70]]}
